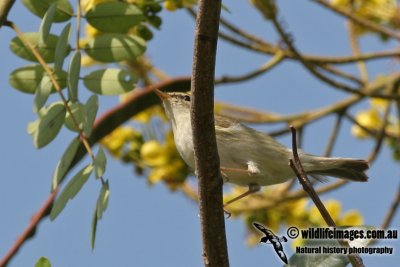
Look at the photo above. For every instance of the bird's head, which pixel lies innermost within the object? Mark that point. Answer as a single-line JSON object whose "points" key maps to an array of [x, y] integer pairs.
{"points": [[176, 104]]}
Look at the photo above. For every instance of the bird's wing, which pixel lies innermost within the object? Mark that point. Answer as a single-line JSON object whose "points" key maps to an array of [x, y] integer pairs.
{"points": [[281, 254], [259, 227]]}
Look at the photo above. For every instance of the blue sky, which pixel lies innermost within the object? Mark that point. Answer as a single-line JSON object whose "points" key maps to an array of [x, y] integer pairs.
{"points": [[150, 226]]}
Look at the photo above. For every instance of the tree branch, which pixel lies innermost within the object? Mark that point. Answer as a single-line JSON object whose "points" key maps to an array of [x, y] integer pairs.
{"points": [[215, 252]]}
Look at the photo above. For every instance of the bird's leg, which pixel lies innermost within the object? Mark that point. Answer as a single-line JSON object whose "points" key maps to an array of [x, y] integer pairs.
{"points": [[253, 188], [252, 168]]}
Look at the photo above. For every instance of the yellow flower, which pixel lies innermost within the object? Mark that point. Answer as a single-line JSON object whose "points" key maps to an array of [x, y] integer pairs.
{"points": [[115, 141], [91, 31], [334, 208], [172, 173], [369, 119], [296, 212], [88, 4], [87, 61], [378, 11], [153, 154], [298, 242], [379, 103], [170, 5], [146, 115], [351, 218]]}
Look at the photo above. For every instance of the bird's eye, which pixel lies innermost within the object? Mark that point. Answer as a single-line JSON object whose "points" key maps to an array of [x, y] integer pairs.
{"points": [[186, 98]]}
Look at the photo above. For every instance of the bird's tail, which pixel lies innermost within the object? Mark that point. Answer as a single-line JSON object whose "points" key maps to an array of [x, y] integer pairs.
{"points": [[345, 168]]}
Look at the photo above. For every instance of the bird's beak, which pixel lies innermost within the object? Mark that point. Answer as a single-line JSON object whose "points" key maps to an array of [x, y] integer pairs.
{"points": [[161, 95]]}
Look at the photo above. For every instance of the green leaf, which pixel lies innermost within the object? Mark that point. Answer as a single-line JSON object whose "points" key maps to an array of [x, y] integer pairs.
{"points": [[115, 47], [42, 93], [114, 16], [62, 47], [47, 20], [225, 8], [43, 262], [109, 81], [319, 260], [101, 206], [78, 112], [64, 163], [91, 107], [102, 201], [70, 190], [94, 228], [73, 76], [100, 163], [27, 79], [48, 125], [46, 50], [64, 9]]}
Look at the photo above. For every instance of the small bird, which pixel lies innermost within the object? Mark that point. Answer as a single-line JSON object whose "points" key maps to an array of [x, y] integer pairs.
{"points": [[249, 157], [271, 238]]}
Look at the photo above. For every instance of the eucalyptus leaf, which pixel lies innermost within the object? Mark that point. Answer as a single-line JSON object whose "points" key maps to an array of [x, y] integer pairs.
{"points": [[27, 79], [70, 190], [102, 201], [78, 113], [94, 228], [101, 206], [73, 76], [48, 125], [115, 47], [114, 16], [43, 262], [47, 20], [109, 81], [64, 9], [32, 127], [62, 47], [46, 50], [65, 162], [91, 107], [42, 93], [100, 163]]}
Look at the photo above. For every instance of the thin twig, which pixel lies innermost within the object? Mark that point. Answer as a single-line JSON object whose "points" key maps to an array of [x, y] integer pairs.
{"points": [[285, 37], [372, 132], [355, 47], [359, 20], [233, 28], [342, 74], [298, 194], [315, 59], [334, 134], [295, 164], [380, 136], [392, 210], [273, 62]]}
